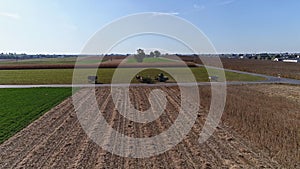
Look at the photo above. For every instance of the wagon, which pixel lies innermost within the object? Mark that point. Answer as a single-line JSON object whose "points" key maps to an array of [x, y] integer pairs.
{"points": [[92, 79], [213, 78]]}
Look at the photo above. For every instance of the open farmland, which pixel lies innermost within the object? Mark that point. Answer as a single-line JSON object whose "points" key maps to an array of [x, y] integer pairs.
{"points": [[57, 61], [69, 60], [267, 119], [93, 64], [6, 60], [257, 131], [287, 70], [20, 107], [64, 76], [149, 60]]}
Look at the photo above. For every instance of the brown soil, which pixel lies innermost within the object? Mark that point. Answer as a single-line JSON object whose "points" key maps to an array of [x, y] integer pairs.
{"points": [[268, 67], [108, 64], [56, 140]]}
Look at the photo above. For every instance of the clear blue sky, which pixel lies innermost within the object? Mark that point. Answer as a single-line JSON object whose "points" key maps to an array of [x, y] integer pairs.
{"points": [[64, 26]]}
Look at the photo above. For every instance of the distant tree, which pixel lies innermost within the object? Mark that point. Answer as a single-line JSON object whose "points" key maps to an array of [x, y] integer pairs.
{"points": [[151, 54], [157, 53], [140, 55]]}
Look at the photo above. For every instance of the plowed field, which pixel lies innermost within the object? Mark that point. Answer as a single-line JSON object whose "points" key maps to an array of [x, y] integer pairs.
{"points": [[56, 140]]}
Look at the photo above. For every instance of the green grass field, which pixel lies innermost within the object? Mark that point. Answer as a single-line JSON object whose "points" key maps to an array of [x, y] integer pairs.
{"points": [[20, 107], [149, 60], [64, 76]]}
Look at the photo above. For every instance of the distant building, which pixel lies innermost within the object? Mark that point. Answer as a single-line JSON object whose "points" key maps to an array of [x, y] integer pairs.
{"points": [[277, 59], [291, 60]]}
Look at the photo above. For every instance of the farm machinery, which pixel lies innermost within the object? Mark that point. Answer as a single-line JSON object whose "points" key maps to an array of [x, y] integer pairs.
{"points": [[160, 78]]}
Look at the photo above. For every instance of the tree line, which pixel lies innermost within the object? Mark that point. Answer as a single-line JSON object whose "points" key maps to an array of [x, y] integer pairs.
{"points": [[141, 55]]}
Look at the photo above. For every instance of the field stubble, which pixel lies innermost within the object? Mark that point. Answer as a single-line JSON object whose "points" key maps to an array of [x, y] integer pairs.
{"points": [[253, 133], [287, 70]]}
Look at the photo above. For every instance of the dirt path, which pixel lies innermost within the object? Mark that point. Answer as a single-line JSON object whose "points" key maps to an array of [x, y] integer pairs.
{"points": [[56, 140]]}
